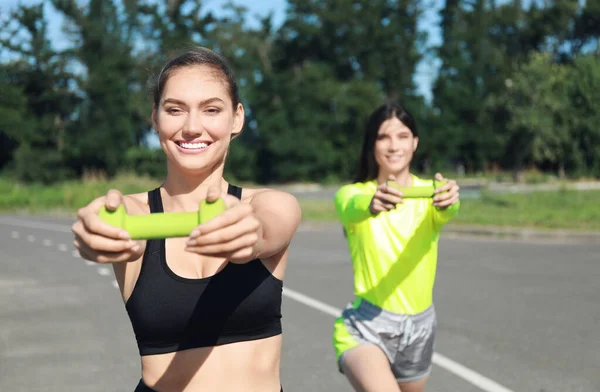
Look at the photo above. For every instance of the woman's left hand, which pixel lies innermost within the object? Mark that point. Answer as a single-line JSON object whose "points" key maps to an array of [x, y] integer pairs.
{"points": [[236, 234], [447, 195]]}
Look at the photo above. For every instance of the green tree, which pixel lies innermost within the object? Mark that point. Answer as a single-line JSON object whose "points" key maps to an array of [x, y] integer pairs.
{"points": [[466, 61], [539, 115], [13, 114], [38, 101], [584, 99], [586, 30], [332, 64], [108, 120]]}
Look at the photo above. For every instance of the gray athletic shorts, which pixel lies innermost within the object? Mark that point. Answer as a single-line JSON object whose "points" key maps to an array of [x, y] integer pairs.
{"points": [[407, 340]]}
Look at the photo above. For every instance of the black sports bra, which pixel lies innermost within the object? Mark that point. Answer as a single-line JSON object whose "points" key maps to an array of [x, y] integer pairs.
{"points": [[171, 313]]}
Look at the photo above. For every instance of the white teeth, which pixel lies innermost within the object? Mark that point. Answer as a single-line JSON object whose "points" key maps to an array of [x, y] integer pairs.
{"points": [[193, 145]]}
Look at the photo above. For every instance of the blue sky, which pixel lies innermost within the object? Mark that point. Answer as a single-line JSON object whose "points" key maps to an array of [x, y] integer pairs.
{"points": [[425, 72]]}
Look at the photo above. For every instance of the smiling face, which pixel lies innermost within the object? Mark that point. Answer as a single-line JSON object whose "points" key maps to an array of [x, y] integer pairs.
{"points": [[394, 147], [195, 118]]}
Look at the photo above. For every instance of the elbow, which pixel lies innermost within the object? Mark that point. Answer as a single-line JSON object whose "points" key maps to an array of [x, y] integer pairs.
{"points": [[271, 248], [277, 231]]}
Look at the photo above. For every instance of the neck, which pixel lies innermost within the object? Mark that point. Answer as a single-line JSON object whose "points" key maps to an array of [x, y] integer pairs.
{"points": [[403, 177], [185, 191]]}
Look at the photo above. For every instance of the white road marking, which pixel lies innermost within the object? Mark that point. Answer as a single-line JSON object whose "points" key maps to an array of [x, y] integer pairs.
{"points": [[465, 373], [15, 234], [75, 254], [312, 303], [30, 238], [115, 284], [104, 271], [47, 242], [62, 247]]}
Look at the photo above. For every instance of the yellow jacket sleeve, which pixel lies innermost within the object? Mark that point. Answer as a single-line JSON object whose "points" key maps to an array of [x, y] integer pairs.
{"points": [[352, 204], [441, 217]]}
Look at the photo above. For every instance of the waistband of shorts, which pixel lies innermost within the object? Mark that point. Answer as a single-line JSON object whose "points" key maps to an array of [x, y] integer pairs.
{"points": [[371, 310]]}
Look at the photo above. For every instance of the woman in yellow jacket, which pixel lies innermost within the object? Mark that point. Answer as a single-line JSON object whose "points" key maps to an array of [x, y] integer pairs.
{"points": [[384, 339]]}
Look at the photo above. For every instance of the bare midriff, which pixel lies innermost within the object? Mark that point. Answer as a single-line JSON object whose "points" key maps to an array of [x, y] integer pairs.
{"points": [[245, 366]]}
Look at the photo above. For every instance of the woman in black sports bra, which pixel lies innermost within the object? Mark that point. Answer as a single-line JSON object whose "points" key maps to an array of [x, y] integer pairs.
{"points": [[205, 309]]}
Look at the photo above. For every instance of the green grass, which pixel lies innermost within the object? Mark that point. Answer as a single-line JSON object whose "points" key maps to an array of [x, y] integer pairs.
{"points": [[66, 197], [542, 210], [565, 209], [317, 210]]}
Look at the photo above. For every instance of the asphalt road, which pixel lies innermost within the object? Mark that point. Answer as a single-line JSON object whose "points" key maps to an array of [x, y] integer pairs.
{"points": [[513, 316]]}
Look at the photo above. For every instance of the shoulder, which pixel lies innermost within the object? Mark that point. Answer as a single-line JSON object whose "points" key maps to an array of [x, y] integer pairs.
{"points": [[279, 211], [251, 194], [355, 188], [248, 194], [272, 199]]}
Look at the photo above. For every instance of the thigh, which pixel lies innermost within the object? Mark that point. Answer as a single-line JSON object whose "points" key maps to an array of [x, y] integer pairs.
{"points": [[368, 369], [413, 386]]}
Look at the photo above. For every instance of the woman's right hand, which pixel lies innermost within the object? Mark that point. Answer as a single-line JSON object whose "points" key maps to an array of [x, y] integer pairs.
{"points": [[100, 242], [385, 198]]}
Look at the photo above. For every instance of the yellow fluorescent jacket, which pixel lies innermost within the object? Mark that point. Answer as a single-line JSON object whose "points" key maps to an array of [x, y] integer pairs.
{"points": [[394, 254]]}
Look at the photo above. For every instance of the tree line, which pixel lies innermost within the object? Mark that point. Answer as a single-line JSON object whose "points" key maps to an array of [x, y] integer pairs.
{"points": [[517, 85]]}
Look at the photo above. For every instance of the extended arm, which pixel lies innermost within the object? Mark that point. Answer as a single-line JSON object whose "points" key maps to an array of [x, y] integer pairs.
{"points": [[351, 205], [279, 215]]}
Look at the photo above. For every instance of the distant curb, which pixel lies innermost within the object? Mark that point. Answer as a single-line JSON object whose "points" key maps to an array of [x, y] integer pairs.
{"points": [[514, 233], [560, 235]]}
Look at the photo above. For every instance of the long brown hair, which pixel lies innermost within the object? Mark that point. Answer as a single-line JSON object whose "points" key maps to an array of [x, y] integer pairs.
{"points": [[368, 169]]}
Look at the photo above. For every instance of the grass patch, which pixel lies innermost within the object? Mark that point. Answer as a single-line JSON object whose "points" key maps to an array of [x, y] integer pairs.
{"points": [[314, 210], [565, 209], [66, 197]]}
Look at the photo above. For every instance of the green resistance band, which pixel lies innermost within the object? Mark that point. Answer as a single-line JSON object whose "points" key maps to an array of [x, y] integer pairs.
{"points": [[417, 192], [162, 225]]}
